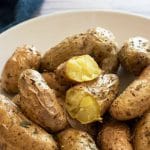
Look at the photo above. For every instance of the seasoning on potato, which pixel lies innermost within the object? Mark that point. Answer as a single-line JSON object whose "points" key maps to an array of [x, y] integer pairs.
{"points": [[135, 99], [78, 69], [88, 101], [97, 42], [114, 136], [53, 83], [18, 133], [25, 57], [39, 102], [142, 133], [72, 139], [135, 54]]}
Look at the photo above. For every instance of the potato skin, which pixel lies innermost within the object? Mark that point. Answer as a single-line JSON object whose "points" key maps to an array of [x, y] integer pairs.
{"points": [[52, 82], [25, 57], [135, 100], [114, 136], [134, 55], [72, 139], [39, 102], [97, 42], [106, 88], [142, 133], [18, 133]]}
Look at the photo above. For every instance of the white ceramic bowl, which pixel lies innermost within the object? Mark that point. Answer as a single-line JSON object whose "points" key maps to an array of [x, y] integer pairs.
{"points": [[45, 31]]}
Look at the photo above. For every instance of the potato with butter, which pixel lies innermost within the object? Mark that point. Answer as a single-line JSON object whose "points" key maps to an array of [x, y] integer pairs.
{"points": [[97, 42], [134, 55], [19, 133], [25, 57], [87, 102], [114, 136], [142, 133], [135, 99], [39, 102], [72, 139], [77, 69]]}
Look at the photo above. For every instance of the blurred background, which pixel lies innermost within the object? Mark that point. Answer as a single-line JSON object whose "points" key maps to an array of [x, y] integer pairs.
{"points": [[13, 12], [135, 6]]}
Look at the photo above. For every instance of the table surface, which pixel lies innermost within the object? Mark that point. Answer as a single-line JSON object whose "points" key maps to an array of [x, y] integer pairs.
{"points": [[141, 7]]}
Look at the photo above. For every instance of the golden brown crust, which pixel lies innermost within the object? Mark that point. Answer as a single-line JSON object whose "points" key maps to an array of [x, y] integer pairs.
{"points": [[19, 133], [25, 57], [142, 133], [135, 54], [39, 102], [72, 139], [97, 42], [135, 100], [114, 136]]}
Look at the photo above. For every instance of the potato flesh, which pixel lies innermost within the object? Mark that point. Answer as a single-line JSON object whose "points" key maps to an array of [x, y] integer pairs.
{"points": [[82, 106], [82, 68]]}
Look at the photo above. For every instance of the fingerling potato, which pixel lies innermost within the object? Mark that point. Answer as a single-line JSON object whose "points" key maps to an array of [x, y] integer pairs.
{"points": [[142, 133], [97, 42], [135, 100], [88, 101], [25, 57], [72, 139], [39, 102], [135, 54], [114, 136], [19, 133], [77, 69]]}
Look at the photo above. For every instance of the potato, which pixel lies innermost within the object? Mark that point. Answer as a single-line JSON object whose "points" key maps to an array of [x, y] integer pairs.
{"points": [[25, 57], [72, 139], [39, 102], [135, 100], [88, 101], [90, 128], [52, 82], [142, 133], [19, 133], [97, 42], [78, 69], [135, 54], [114, 136]]}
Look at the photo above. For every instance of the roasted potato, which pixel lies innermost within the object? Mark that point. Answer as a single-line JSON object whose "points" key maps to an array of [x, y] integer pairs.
{"points": [[39, 102], [97, 42], [25, 57], [88, 101], [114, 136], [77, 69], [53, 83], [72, 139], [135, 54], [142, 133], [19, 133], [135, 100]]}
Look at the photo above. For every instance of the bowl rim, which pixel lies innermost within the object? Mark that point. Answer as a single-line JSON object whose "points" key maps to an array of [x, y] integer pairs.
{"points": [[75, 11]]}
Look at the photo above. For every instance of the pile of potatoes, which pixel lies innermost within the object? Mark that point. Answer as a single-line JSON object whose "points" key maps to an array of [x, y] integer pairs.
{"points": [[68, 99]]}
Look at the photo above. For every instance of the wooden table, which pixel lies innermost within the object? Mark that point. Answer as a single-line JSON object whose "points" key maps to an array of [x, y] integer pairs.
{"points": [[141, 7]]}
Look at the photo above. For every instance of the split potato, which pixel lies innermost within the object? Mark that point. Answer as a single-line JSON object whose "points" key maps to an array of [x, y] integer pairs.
{"points": [[87, 102], [142, 133], [77, 69], [25, 57], [134, 55], [97, 42], [39, 102], [72, 139], [135, 99], [114, 136], [19, 133]]}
